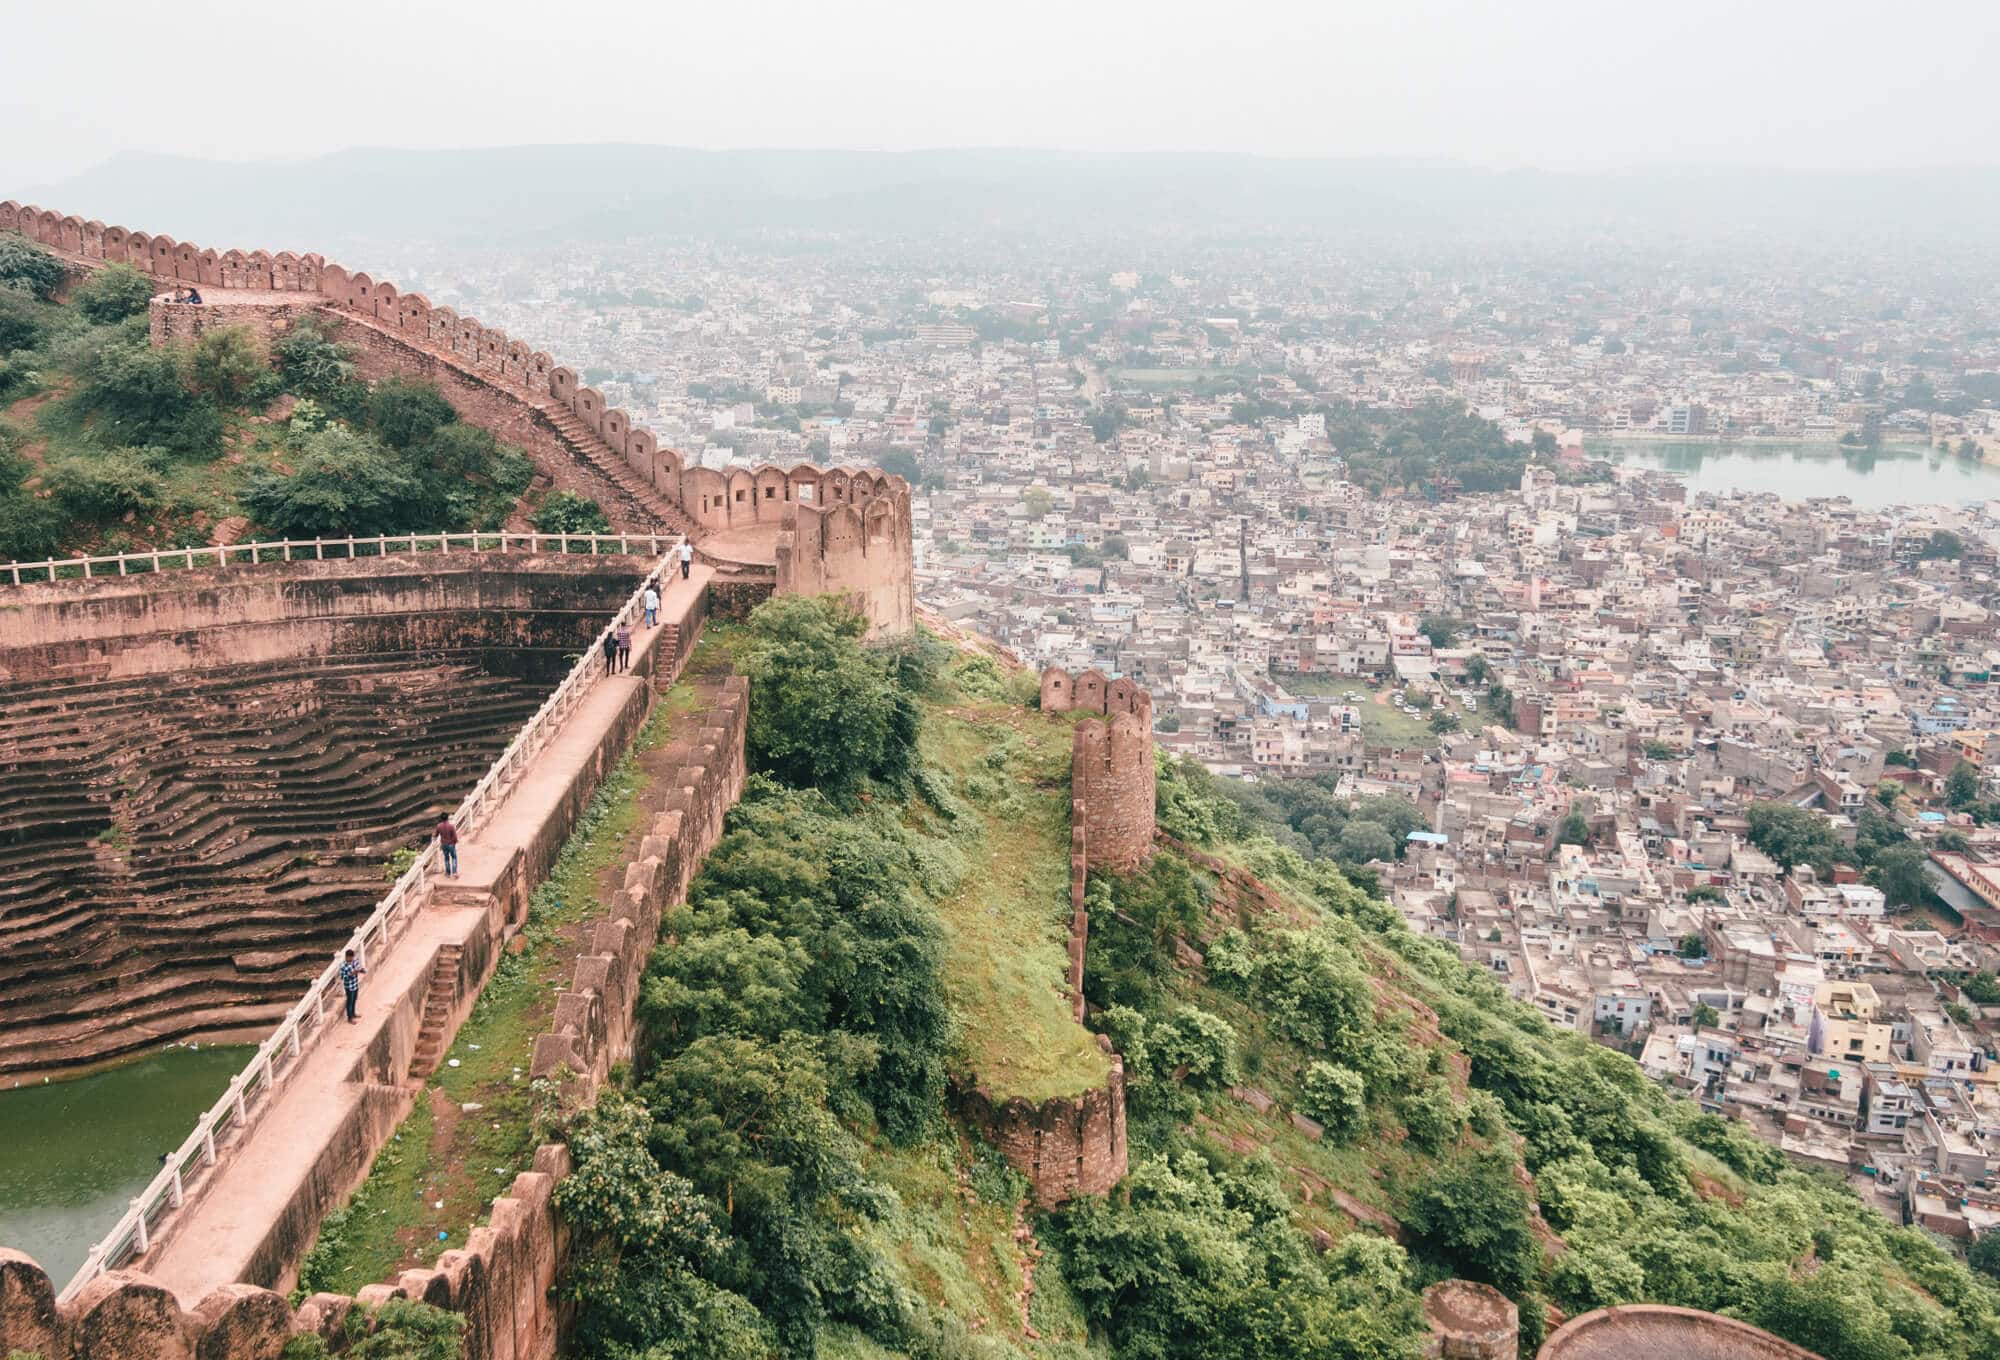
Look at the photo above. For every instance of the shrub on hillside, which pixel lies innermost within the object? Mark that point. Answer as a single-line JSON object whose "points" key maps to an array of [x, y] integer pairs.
{"points": [[315, 365], [565, 512], [824, 712], [405, 414], [113, 293], [23, 322], [1336, 1097], [118, 483], [135, 394], [227, 362], [346, 483], [27, 268]]}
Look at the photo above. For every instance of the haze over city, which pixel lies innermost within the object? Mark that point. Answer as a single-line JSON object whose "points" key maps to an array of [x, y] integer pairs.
{"points": [[1044, 682]]}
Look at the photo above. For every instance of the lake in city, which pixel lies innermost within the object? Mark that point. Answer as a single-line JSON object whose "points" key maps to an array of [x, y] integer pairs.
{"points": [[1891, 475], [74, 1153]]}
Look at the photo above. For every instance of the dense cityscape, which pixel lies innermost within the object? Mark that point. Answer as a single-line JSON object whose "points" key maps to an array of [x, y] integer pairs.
{"points": [[1703, 775]]}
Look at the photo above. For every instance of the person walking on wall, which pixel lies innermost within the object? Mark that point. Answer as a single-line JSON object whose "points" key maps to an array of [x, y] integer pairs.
{"points": [[610, 652], [624, 636], [652, 606], [447, 835], [687, 558], [350, 981]]}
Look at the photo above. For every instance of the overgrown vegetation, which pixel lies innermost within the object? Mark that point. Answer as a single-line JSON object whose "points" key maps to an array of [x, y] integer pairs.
{"points": [[112, 444]]}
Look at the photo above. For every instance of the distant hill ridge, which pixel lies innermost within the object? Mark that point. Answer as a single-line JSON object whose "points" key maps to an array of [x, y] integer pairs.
{"points": [[607, 191]]}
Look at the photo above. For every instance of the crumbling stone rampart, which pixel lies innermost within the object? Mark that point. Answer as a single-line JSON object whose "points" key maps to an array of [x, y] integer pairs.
{"points": [[1067, 1146], [843, 531], [1470, 1321]]}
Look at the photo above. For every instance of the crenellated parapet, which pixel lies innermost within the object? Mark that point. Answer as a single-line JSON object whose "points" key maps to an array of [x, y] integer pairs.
{"points": [[1091, 692], [791, 519], [853, 539], [1111, 772]]}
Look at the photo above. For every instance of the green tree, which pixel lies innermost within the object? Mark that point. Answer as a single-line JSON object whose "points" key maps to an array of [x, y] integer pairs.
{"points": [[1705, 1015], [1961, 786], [1443, 722], [1441, 629], [1657, 750], [900, 463], [225, 362], [822, 712], [1693, 946], [27, 268], [1477, 669], [1573, 831], [1793, 835], [1336, 1097], [1472, 1215], [346, 483], [1984, 1255], [113, 293], [1432, 1115], [138, 395], [1038, 502], [1942, 545], [565, 512], [1361, 842], [1900, 872], [1704, 892], [1116, 548]]}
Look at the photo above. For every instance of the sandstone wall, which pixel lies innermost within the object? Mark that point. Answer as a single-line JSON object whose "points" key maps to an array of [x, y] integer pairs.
{"points": [[594, 1018], [172, 325], [1111, 774], [1646, 1331], [115, 627], [1091, 692], [1068, 1146], [500, 1281], [524, 396], [859, 550]]}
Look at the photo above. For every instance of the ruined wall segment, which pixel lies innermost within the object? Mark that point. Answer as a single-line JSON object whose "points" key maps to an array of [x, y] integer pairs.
{"points": [[1067, 1146], [1111, 774], [856, 544], [593, 1024]]}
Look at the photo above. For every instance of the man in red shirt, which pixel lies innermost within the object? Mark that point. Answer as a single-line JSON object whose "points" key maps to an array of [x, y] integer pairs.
{"points": [[447, 835]]}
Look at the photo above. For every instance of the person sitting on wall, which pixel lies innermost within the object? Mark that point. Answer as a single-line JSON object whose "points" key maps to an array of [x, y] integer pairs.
{"points": [[180, 295], [194, 296]]}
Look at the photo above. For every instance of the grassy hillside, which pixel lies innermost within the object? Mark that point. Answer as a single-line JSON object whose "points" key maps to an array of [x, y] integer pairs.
{"points": [[1326, 1112], [108, 444]]}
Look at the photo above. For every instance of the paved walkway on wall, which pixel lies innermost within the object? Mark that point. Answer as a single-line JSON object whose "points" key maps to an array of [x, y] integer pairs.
{"points": [[215, 1240]]}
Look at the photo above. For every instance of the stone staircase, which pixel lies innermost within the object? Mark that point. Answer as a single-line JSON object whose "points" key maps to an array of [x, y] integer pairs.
{"points": [[431, 1038], [657, 514], [179, 857], [637, 506]]}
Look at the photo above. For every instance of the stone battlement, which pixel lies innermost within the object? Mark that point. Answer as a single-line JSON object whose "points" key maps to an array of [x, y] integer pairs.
{"points": [[1643, 1331], [1066, 1146], [526, 397]]}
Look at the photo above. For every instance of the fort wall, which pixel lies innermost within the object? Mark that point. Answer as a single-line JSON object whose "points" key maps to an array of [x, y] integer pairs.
{"points": [[1643, 1331], [1067, 1146], [594, 1022], [1111, 774], [124, 627], [526, 397]]}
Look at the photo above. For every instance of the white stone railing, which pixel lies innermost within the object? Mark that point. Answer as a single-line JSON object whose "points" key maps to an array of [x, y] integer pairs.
{"points": [[281, 1055], [318, 549]]}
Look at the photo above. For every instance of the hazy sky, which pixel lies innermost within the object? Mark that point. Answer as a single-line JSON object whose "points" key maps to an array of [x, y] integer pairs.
{"points": [[1562, 84]]}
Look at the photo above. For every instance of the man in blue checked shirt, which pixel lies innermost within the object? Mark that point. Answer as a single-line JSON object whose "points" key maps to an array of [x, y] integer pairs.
{"points": [[350, 978]]}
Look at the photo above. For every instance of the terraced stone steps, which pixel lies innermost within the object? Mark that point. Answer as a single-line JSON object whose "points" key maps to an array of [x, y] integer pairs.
{"points": [[181, 856]]}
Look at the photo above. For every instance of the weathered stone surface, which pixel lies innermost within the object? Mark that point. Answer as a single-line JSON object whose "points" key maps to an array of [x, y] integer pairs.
{"points": [[1470, 1321], [1068, 1146], [1647, 1331], [28, 1319]]}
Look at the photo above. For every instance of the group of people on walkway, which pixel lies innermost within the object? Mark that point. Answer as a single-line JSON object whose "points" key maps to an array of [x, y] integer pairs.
{"points": [[617, 657], [188, 295], [618, 641]]}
